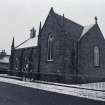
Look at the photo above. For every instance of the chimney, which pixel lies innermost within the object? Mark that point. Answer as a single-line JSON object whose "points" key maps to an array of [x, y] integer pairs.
{"points": [[32, 33]]}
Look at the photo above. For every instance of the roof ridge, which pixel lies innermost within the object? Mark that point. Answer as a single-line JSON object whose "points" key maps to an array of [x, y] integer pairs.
{"points": [[65, 18], [86, 29], [22, 43], [56, 18], [31, 42], [54, 14], [74, 22]]}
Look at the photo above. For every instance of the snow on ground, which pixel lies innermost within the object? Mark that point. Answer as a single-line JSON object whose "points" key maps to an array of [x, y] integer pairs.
{"points": [[8, 76], [96, 86], [64, 89]]}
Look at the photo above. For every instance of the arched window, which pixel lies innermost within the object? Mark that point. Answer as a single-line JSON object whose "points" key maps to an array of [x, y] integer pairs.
{"points": [[16, 63], [26, 64], [31, 62], [50, 48], [73, 58], [96, 56]]}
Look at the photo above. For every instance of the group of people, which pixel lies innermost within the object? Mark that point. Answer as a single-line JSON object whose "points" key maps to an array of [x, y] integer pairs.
{"points": [[27, 71]]}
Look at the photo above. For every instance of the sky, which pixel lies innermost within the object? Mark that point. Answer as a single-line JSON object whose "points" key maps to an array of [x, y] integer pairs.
{"points": [[17, 17]]}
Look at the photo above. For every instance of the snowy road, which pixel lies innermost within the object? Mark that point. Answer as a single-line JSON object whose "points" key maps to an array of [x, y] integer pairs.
{"points": [[11, 94], [64, 89]]}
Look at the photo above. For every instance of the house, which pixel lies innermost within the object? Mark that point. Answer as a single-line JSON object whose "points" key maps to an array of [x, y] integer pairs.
{"points": [[4, 62], [64, 51]]}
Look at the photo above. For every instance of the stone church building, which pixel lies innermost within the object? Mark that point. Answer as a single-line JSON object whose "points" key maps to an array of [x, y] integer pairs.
{"points": [[64, 51]]}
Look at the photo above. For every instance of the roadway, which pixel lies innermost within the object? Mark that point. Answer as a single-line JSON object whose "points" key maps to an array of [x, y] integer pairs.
{"points": [[11, 94]]}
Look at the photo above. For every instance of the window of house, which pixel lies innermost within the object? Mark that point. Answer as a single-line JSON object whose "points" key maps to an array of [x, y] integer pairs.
{"points": [[50, 48], [96, 56]]}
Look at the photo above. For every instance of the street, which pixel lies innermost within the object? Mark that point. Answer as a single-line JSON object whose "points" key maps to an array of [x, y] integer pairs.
{"points": [[11, 94]]}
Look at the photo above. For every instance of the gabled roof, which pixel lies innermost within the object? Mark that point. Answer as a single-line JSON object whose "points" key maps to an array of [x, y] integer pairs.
{"points": [[31, 42], [71, 28], [91, 28], [86, 29]]}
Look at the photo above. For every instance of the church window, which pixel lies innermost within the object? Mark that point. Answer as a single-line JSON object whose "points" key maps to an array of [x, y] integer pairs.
{"points": [[96, 56], [73, 58], [26, 64], [16, 63], [50, 48]]}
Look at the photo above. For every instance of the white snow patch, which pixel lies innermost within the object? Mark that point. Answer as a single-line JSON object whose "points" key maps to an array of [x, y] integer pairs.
{"points": [[5, 59], [96, 86], [86, 29], [30, 43], [68, 90]]}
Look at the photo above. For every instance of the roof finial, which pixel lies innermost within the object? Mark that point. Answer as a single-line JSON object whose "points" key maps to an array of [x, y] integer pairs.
{"points": [[63, 20], [96, 19], [51, 11], [52, 8], [12, 46], [40, 28]]}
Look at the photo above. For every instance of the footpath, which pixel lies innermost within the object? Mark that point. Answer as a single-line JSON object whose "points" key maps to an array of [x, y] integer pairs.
{"points": [[83, 90]]}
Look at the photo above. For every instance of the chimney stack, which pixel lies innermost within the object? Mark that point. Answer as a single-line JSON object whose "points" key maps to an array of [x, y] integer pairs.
{"points": [[32, 33]]}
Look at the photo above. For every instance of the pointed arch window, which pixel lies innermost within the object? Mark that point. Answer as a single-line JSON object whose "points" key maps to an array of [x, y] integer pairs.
{"points": [[96, 56], [73, 58], [50, 48], [17, 63], [26, 64]]}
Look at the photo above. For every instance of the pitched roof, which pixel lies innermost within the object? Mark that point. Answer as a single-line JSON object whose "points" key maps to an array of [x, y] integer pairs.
{"points": [[31, 42], [71, 28], [86, 29]]}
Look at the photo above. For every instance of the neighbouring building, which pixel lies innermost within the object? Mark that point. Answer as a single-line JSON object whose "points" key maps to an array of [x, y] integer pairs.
{"points": [[64, 51], [4, 62]]}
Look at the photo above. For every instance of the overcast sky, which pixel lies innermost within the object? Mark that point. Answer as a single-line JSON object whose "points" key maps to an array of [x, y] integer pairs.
{"points": [[17, 17]]}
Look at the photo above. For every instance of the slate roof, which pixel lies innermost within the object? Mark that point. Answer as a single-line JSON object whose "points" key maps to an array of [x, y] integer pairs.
{"points": [[31, 42], [72, 29], [86, 29]]}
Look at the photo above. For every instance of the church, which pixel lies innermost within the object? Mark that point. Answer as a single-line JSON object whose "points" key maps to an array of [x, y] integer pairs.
{"points": [[64, 51]]}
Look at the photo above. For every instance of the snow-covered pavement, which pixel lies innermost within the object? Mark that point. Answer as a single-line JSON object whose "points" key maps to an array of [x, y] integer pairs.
{"points": [[96, 86], [58, 88]]}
